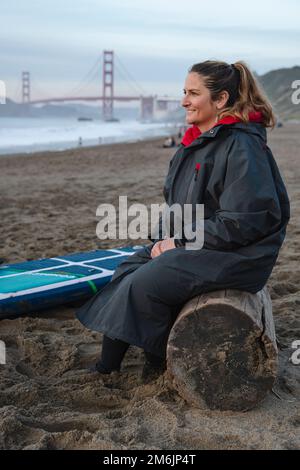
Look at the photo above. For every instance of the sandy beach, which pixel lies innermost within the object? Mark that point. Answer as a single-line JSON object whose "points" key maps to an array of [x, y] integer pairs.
{"points": [[47, 399]]}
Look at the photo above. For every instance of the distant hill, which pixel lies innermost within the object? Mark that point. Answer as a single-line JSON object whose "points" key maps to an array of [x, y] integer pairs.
{"points": [[12, 109], [277, 85], [72, 110]]}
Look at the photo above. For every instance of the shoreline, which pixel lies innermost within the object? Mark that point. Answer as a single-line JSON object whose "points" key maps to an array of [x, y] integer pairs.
{"points": [[24, 154], [127, 132]]}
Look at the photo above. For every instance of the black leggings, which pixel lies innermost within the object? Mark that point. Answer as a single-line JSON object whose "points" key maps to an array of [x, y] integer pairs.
{"points": [[113, 352]]}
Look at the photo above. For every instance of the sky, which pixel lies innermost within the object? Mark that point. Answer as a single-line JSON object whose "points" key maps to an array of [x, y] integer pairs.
{"points": [[61, 42]]}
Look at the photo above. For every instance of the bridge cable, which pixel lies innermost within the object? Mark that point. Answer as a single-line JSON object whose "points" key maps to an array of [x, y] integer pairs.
{"points": [[130, 77]]}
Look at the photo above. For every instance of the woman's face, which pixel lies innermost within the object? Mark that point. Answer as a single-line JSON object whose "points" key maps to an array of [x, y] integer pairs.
{"points": [[200, 109]]}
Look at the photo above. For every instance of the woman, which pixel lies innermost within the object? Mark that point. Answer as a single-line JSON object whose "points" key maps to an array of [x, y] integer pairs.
{"points": [[224, 163]]}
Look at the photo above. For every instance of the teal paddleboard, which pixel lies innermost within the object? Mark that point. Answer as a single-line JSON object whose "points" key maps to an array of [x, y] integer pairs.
{"points": [[35, 285]]}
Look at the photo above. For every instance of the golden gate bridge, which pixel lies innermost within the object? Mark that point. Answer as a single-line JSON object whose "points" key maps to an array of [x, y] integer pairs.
{"points": [[150, 105]]}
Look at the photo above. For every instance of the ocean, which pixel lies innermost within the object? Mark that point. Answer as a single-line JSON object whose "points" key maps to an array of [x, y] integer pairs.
{"points": [[27, 135]]}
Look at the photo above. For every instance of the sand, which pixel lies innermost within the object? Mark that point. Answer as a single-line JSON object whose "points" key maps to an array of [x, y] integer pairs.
{"points": [[47, 399]]}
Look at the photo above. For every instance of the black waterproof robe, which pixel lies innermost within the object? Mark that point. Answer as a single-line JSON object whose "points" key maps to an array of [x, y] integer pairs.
{"points": [[246, 211]]}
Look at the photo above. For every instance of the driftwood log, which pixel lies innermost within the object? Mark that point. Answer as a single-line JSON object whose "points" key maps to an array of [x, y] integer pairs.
{"points": [[222, 351]]}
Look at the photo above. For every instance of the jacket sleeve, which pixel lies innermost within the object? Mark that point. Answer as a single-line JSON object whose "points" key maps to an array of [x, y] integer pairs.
{"points": [[249, 207]]}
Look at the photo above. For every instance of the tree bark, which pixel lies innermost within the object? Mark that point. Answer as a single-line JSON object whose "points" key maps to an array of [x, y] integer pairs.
{"points": [[222, 351]]}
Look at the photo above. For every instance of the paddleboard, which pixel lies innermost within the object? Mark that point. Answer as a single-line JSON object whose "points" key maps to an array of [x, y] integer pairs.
{"points": [[36, 285]]}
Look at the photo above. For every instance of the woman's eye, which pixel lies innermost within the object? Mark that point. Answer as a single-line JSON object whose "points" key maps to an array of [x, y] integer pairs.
{"points": [[194, 93]]}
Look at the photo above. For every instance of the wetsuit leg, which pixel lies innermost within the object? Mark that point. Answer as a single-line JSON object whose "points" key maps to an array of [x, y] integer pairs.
{"points": [[113, 352]]}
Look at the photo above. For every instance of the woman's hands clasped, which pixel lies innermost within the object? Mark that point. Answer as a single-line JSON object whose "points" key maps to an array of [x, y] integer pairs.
{"points": [[161, 246]]}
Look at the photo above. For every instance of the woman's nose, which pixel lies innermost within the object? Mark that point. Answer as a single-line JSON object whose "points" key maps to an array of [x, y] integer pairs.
{"points": [[185, 101]]}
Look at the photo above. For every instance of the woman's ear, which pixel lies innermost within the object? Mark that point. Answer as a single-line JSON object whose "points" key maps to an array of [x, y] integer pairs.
{"points": [[222, 100]]}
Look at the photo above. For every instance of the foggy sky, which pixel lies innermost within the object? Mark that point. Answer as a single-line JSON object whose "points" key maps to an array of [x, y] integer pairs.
{"points": [[156, 40]]}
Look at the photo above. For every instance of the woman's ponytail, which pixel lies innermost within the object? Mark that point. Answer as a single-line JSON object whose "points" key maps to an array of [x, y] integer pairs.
{"points": [[251, 97]]}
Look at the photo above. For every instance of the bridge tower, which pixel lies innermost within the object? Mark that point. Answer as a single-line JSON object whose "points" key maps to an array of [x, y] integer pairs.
{"points": [[147, 108], [25, 87], [108, 85]]}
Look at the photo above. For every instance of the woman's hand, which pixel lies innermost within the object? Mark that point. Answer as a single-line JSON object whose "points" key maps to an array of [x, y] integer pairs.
{"points": [[161, 246]]}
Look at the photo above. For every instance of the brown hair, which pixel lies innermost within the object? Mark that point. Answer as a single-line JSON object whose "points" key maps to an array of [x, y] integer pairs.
{"points": [[244, 91]]}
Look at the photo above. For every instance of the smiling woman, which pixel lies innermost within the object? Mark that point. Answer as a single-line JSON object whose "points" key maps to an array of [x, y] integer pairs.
{"points": [[198, 103], [246, 211]]}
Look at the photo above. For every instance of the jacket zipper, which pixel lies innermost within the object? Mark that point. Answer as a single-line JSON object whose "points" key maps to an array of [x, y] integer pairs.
{"points": [[192, 183]]}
